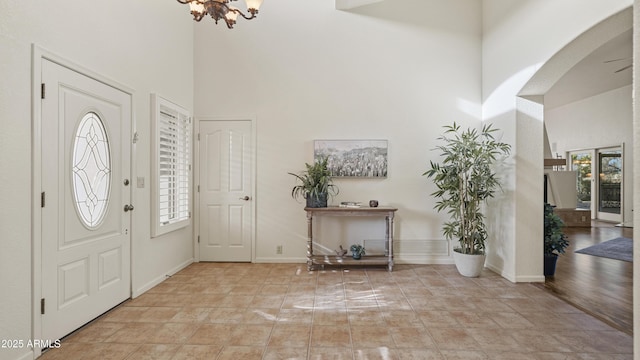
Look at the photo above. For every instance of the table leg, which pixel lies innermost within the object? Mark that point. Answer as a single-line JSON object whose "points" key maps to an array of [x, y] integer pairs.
{"points": [[309, 241]]}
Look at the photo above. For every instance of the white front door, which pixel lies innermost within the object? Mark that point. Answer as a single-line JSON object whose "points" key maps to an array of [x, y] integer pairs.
{"points": [[225, 183], [86, 244]]}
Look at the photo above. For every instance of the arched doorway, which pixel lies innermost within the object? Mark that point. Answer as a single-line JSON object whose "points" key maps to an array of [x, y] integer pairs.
{"points": [[529, 131]]}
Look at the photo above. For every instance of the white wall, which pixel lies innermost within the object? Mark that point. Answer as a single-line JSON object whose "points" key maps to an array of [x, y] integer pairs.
{"points": [[307, 71], [146, 45], [599, 121], [518, 38]]}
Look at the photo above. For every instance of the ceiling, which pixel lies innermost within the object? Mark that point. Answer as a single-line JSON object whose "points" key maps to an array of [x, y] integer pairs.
{"points": [[596, 73]]}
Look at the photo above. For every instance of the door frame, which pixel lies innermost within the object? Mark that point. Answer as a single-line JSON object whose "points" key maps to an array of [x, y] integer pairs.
{"points": [[599, 213], [595, 178], [38, 54], [196, 178]]}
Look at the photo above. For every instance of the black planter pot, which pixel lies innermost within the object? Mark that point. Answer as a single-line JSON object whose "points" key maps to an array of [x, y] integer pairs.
{"points": [[319, 201], [356, 256], [550, 264]]}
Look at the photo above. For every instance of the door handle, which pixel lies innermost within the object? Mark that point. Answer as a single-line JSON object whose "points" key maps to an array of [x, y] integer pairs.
{"points": [[128, 208], [245, 198]]}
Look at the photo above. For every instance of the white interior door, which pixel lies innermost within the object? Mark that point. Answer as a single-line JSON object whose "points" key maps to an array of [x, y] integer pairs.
{"points": [[86, 241], [225, 185]]}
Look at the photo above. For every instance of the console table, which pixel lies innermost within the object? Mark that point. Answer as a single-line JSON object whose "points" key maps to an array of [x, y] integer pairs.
{"points": [[386, 259]]}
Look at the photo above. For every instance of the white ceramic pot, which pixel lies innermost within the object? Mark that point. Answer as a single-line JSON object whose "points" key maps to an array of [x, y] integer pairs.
{"points": [[469, 265]]}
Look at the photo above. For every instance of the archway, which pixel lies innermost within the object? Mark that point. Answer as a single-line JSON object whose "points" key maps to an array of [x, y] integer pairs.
{"points": [[529, 136]]}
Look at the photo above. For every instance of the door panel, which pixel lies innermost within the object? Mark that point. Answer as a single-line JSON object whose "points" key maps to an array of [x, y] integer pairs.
{"points": [[226, 206], [610, 184], [85, 232]]}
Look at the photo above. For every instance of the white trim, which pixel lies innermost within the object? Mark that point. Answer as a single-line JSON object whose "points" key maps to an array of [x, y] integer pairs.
{"points": [[196, 178], [149, 285], [158, 102], [38, 54]]}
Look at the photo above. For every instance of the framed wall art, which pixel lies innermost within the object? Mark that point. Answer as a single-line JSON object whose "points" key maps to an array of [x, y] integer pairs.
{"points": [[354, 158]]}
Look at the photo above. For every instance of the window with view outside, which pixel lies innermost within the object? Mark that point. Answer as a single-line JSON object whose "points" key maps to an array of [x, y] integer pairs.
{"points": [[581, 164]]}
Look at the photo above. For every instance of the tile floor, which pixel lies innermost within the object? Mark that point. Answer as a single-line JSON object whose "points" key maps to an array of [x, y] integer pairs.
{"points": [[282, 311]]}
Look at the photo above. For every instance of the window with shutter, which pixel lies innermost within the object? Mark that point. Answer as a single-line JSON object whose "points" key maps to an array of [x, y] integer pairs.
{"points": [[171, 195]]}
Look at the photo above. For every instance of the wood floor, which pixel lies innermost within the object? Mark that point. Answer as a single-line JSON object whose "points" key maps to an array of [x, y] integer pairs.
{"points": [[600, 286]]}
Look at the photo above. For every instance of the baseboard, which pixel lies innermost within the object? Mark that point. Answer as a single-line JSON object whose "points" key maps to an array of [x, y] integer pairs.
{"points": [[146, 287], [27, 356], [422, 260], [280, 260]]}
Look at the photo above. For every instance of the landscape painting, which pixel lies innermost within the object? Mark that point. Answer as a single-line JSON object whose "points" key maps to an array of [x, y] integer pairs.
{"points": [[354, 158]]}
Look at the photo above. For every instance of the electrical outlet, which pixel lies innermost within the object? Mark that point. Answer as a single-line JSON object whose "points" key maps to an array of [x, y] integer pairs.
{"points": [[584, 219], [279, 249]]}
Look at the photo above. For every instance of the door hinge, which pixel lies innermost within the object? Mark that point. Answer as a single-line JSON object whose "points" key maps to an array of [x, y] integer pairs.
{"points": [[42, 197], [198, 136], [42, 306], [42, 90], [198, 188], [198, 239]]}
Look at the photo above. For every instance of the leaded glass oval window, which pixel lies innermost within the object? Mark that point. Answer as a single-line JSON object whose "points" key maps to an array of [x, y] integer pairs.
{"points": [[91, 170]]}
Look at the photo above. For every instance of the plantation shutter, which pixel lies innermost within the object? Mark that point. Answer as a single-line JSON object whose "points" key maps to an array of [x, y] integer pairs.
{"points": [[173, 174]]}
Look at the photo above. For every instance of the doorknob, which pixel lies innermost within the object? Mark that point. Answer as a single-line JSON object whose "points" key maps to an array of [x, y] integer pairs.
{"points": [[128, 208], [245, 198]]}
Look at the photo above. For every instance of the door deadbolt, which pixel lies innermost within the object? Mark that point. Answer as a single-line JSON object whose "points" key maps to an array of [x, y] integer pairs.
{"points": [[128, 208], [126, 182]]}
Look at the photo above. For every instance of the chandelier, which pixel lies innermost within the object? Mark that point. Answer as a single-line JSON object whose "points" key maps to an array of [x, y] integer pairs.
{"points": [[220, 9]]}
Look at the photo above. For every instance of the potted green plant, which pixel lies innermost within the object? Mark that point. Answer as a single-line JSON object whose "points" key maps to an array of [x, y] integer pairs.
{"points": [[555, 241], [465, 179], [315, 185], [357, 251]]}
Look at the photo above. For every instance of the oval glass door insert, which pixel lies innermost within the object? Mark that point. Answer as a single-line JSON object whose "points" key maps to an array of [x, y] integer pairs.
{"points": [[91, 170]]}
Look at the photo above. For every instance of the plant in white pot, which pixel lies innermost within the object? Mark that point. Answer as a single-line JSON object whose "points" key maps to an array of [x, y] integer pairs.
{"points": [[465, 179], [315, 184]]}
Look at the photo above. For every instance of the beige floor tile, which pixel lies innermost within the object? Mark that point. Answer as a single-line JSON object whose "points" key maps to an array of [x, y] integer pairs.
{"points": [[172, 333], [419, 354], [226, 315], [125, 314], [463, 355], [159, 314], [285, 353], [411, 338], [211, 334], [366, 317], [260, 316], [437, 319], [402, 318], [378, 353], [299, 316], [371, 337], [453, 339], [282, 311], [153, 352], [197, 352], [69, 351], [250, 335], [133, 333], [241, 352], [330, 336], [96, 332], [290, 336], [298, 301], [267, 301], [330, 353], [191, 315], [331, 317]]}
